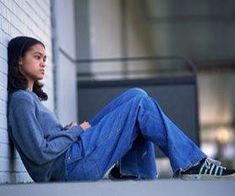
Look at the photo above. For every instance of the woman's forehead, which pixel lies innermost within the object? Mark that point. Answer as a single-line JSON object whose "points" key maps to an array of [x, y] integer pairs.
{"points": [[38, 48]]}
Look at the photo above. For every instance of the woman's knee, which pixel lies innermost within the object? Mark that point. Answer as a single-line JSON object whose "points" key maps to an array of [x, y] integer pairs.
{"points": [[138, 92]]}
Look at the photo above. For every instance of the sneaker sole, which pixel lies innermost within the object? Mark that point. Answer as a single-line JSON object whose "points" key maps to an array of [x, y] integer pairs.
{"points": [[207, 177]]}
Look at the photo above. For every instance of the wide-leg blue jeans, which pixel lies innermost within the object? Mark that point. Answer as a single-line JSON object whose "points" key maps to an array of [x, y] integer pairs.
{"points": [[125, 131]]}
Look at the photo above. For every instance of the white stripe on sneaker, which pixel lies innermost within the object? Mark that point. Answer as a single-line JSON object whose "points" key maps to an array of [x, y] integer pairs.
{"points": [[216, 170], [200, 172], [221, 170], [211, 169]]}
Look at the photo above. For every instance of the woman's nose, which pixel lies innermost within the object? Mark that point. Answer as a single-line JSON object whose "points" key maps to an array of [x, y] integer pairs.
{"points": [[43, 64]]}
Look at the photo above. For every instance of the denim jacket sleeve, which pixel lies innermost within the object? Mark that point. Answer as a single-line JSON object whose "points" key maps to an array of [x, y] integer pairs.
{"points": [[27, 133]]}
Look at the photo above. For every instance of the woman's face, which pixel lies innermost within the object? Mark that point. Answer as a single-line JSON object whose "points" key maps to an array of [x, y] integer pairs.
{"points": [[32, 64]]}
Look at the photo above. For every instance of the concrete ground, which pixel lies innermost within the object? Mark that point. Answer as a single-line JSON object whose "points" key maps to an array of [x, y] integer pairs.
{"points": [[163, 187]]}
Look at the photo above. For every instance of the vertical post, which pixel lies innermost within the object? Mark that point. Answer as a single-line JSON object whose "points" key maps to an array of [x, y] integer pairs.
{"points": [[55, 54], [124, 44]]}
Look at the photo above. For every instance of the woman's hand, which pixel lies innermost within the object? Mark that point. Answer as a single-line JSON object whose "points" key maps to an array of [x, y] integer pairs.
{"points": [[85, 125], [71, 125]]}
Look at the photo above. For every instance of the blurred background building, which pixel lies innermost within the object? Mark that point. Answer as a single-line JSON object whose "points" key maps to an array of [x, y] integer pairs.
{"points": [[201, 31]]}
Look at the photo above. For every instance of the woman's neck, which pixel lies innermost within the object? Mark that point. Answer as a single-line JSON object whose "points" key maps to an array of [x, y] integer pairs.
{"points": [[30, 85]]}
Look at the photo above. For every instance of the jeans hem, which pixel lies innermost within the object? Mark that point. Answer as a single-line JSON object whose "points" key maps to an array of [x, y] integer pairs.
{"points": [[175, 173]]}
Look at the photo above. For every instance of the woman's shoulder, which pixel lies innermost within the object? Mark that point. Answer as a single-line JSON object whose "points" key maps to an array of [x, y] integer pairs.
{"points": [[23, 95]]}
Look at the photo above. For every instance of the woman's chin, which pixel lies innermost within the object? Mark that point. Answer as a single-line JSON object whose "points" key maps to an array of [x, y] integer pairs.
{"points": [[40, 78]]}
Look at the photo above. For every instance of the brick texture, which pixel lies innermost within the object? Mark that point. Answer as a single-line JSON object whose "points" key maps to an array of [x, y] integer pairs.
{"points": [[21, 17]]}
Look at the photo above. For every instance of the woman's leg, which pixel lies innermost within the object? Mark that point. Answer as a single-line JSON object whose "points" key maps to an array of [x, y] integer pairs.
{"points": [[117, 102], [128, 162], [157, 127], [113, 136]]}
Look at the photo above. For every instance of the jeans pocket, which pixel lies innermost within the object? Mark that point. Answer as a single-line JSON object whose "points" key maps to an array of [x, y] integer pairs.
{"points": [[92, 170], [83, 170], [74, 152], [75, 171]]}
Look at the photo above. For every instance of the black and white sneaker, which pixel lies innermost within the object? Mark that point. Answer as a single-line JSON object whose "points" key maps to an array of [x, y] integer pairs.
{"points": [[208, 169]]}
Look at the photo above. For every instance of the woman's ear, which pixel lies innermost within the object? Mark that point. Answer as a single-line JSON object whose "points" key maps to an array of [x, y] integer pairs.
{"points": [[20, 66], [20, 62]]}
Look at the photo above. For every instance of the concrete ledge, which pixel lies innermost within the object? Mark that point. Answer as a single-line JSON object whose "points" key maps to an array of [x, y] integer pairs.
{"points": [[167, 187]]}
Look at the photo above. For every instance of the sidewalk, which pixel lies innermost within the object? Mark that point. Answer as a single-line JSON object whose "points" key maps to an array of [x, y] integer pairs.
{"points": [[164, 187]]}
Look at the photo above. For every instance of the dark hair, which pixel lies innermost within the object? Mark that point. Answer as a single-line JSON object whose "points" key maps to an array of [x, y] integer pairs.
{"points": [[17, 47]]}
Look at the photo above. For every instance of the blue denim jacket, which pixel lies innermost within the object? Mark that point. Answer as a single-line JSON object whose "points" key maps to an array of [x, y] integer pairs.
{"points": [[38, 136]]}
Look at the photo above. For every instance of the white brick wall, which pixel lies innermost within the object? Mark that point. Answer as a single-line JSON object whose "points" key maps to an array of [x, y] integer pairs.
{"points": [[21, 17]]}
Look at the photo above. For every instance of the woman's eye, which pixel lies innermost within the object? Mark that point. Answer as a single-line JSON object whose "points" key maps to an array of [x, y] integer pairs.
{"points": [[37, 57]]}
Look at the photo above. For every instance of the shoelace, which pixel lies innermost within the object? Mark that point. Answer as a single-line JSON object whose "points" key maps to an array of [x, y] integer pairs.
{"points": [[211, 165]]}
